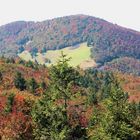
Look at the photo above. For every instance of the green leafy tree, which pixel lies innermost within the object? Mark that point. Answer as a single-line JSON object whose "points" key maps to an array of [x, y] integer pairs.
{"points": [[19, 81]]}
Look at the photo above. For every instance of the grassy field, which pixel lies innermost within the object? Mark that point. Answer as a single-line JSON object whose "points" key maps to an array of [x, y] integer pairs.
{"points": [[79, 54], [28, 57], [25, 55]]}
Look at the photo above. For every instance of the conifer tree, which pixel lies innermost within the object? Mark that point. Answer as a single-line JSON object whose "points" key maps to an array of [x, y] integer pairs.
{"points": [[107, 84], [19, 81], [1, 76], [138, 109], [133, 107], [63, 77], [116, 121], [49, 120], [32, 85], [50, 114], [43, 85], [10, 100]]}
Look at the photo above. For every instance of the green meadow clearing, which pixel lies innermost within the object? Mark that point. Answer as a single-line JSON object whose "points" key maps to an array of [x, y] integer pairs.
{"points": [[25, 55], [79, 54]]}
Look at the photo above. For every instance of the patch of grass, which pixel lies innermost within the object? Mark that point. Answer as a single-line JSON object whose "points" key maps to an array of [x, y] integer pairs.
{"points": [[78, 54], [25, 55]]}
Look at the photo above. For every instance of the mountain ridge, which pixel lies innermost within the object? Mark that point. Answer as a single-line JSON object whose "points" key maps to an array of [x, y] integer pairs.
{"points": [[59, 17]]}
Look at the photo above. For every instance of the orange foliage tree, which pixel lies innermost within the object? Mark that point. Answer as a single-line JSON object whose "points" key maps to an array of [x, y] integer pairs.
{"points": [[17, 123]]}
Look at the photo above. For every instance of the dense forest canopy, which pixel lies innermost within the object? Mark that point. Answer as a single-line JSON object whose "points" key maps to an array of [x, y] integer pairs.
{"points": [[64, 103]]}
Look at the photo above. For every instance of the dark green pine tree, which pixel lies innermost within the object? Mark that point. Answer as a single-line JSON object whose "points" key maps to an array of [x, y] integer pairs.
{"points": [[19, 81], [43, 85], [32, 85], [1, 76], [63, 77], [49, 120], [92, 96], [50, 114], [133, 107], [107, 85], [10, 100], [138, 109], [116, 121], [93, 87]]}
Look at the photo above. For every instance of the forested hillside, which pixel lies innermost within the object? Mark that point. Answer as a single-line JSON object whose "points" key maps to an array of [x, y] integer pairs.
{"points": [[110, 41], [124, 64], [66, 103]]}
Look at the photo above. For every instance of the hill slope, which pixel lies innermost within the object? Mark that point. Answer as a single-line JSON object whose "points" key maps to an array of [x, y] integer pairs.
{"points": [[124, 64], [108, 41], [8, 71], [67, 31]]}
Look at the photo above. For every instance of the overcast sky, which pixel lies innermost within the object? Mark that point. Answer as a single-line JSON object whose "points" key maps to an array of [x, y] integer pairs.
{"points": [[122, 12]]}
